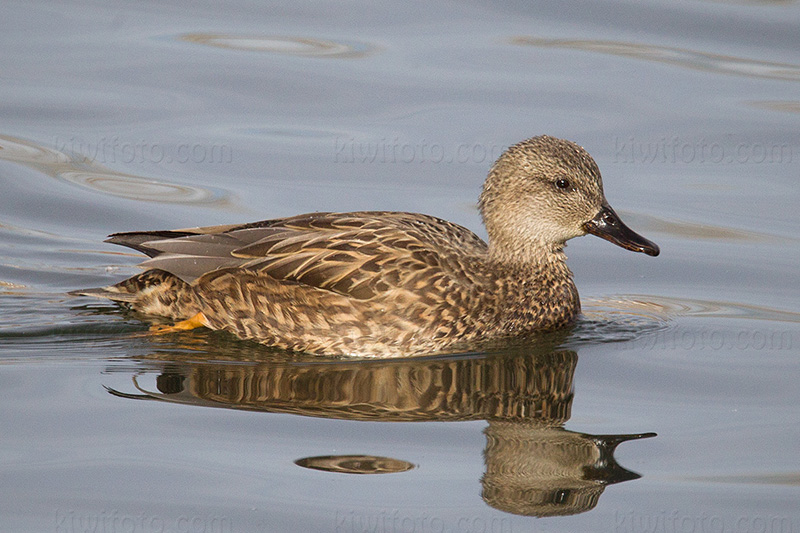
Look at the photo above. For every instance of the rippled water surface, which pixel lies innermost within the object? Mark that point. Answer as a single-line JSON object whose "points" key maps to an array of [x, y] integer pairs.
{"points": [[672, 406]]}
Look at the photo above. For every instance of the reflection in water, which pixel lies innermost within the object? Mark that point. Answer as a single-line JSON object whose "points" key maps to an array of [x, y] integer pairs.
{"points": [[543, 471], [295, 46], [691, 59], [84, 172], [533, 465], [355, 464]]}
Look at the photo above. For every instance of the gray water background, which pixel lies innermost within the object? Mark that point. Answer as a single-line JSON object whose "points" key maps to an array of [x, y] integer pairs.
{"points": [[122, 116]]}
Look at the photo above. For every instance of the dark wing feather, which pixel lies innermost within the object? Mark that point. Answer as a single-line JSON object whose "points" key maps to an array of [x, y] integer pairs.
{"points": [[356, 254], [138, 239]]}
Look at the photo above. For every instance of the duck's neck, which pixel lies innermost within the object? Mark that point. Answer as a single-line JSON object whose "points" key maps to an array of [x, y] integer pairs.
{"points": [[527, 254], [537, 288]]}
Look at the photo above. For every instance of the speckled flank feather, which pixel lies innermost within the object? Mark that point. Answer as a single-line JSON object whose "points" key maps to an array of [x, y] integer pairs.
{"points": [[370, 283], [377, 283]]}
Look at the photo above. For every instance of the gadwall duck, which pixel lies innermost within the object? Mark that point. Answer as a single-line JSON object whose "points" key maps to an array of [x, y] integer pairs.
{"points": [[386, 284]]}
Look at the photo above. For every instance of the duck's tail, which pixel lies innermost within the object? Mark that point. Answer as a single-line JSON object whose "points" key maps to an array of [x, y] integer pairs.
{"points": [[135, 288], [153, 292]]}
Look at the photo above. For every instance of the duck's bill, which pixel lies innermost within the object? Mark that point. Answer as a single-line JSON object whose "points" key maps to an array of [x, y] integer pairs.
{"points": [[607, 225]]}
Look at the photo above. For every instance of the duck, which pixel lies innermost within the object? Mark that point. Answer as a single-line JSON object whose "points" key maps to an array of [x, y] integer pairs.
{"points": [[387, 284]]}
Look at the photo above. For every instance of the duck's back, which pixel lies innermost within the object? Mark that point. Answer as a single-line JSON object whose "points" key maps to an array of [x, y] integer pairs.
{"points": [[349, 253]]}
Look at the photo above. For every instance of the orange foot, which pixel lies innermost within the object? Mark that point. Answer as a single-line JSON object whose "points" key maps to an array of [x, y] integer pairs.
{"points": [[197, 321]]}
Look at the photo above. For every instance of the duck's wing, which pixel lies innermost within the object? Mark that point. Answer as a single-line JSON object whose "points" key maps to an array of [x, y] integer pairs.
{"points": [[356, 254]]}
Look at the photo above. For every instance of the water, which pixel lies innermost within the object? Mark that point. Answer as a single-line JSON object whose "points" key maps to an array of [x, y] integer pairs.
{"points": [[153, 116]]}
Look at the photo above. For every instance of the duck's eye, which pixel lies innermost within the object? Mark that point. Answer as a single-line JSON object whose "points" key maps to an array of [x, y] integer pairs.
{"points": [[562, 184]]}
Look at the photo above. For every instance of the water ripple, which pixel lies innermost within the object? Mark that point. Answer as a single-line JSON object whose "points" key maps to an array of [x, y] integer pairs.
{"points": [[700, 231], [81, 171], [663, 309], [791, 479], [782, 106], [682, 57], [294, 46], [631, 317]]}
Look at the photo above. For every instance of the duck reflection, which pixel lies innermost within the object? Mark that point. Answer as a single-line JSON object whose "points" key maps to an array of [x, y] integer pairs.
{"points": [[537, 470], [534, 466]]}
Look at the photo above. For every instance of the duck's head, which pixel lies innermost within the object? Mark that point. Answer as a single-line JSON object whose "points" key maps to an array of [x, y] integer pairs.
{"points": [[541, 193]]}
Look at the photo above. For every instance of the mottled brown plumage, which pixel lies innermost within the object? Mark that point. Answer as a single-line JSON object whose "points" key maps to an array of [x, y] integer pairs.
{"points": [[387, 284]]}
